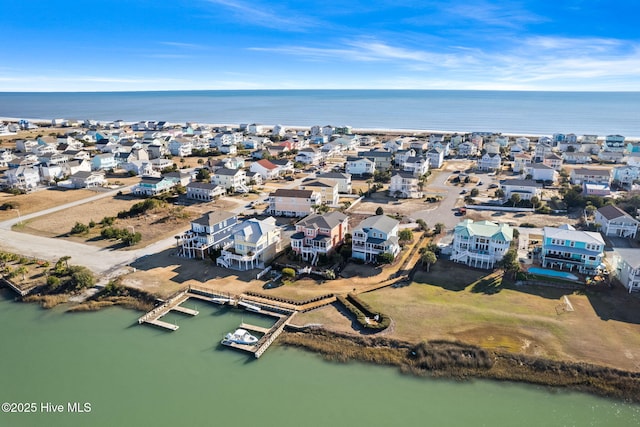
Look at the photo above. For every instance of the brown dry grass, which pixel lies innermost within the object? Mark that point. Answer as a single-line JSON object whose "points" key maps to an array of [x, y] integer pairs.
{"points": [[40, 200], [155, 225]]}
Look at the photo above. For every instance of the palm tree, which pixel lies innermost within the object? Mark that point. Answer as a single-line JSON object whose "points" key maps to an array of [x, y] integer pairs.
{"points": [[515, 199], [22, 270], [428, 258]]}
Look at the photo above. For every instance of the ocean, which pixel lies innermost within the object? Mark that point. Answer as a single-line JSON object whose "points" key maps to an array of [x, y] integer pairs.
{"points": [[514, 112]]}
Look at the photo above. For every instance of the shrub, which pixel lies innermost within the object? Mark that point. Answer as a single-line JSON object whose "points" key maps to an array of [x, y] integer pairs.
{"points": [[385, 258], [79, 228], [289, 272], [53, 282]]}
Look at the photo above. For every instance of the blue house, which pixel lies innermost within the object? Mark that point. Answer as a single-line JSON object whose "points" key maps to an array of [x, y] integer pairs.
{"points": [[104, 161], [211, 231], [566, 248]]}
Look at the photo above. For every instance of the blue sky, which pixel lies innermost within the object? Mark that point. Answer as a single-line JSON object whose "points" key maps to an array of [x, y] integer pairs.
{"points": [[112, 45]]}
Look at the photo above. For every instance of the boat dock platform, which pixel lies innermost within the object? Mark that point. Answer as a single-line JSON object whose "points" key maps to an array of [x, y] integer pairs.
{"points": [[283, 313], [173, 303], [270, 335]]}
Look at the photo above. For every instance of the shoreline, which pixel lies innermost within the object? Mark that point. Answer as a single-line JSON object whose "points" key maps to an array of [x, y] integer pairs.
{"points": [[455, 360], [435, 359], [355, 131]]}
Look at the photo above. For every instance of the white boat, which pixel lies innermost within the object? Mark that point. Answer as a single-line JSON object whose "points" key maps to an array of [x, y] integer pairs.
{"points": [[240, 336]]}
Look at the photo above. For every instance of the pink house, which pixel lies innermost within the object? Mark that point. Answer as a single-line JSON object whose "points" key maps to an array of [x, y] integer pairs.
{"points": [[319, 235]]}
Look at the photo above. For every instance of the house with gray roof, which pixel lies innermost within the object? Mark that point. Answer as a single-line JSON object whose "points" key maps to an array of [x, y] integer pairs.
{"points": [[343, 180], [254, 243], [211, 231], [616, 222], [480, 244], [319, 235], [374, 236], [626, 267]]}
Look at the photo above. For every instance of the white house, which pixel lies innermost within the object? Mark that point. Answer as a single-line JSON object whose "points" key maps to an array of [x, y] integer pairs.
{"points": [[525, 188], [416, 165], [204, 191], [212, 230], [296, 203], [234, 180], [553, 161], [595, 176], [616, 222], [626, 175], [343, 180], [254, 243], [265, 168], [360, 166], [328, 189], [489, 162], [374, 236], [405, 185], [24, 178], [308, 156], [540, 172], [626, 267], [520, 162], [480, 244], [436, 157]]}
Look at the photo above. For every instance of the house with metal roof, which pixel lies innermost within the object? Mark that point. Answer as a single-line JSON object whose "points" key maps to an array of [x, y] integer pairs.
{"points": [[565, 247], [626, 267], [212, 230], [480, 244], [254, 243], [374, 236]]}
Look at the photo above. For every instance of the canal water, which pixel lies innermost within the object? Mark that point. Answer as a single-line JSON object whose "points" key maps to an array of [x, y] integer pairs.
{"points": [[120, 373]]}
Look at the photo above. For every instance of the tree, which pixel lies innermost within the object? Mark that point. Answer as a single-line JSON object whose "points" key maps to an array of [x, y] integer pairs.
{"points": [[423, 225], [379, 211], [515, 199], [82, 277], [535, 201], [499, 193], [428, 258], [203, 175], [437, 229], [288, 272], [79, 228], [509, 262], [406, 235], [22, 270], [474, 192]]}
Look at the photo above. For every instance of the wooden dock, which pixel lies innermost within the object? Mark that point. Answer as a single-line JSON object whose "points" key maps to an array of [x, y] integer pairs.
{"points": [[254, 328], [15, 288], [173, 303]]}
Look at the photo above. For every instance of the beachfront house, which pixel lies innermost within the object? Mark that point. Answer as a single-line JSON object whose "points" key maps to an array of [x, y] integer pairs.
{"points": [[342, 179], [254, 243], [204, 191], [576, 157], [405, 185], [467, 149], [614, 143], [293, 203], [211, 231], [480, 244], [565, 247], [525, 188], [626, 267], [616, 222], [319, 235], [375, 236]]}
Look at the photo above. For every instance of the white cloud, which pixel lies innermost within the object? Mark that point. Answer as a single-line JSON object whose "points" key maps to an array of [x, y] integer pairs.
{"points": [[266, 15]]}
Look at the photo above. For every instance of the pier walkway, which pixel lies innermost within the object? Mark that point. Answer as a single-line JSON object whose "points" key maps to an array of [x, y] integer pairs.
{"points": [[173, 303], [15, 288]]}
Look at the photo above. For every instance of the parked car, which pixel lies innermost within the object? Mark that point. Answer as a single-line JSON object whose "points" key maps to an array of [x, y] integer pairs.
{"points": [[493, 186], [463, 192]]}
